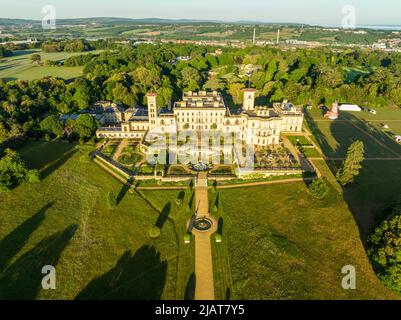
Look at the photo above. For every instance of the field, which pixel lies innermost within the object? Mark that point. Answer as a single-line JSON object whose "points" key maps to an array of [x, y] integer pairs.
{"points": [[334, 137], [380, 179], [20, 66], [283, 244], [98, 253]]}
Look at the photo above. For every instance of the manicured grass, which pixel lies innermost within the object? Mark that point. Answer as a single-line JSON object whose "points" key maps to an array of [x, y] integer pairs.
{"points": [[221, 260], [311, 153], [20, 66], [283, 244], [242, 181], [130, 158], [334, 137], [303, 141], [98, 253], [340, 135], [377, 186], [109, 150], [177, 170], [326, 172], [304, 146]]}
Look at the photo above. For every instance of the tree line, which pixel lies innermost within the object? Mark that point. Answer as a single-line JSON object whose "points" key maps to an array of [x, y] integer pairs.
{"points": [[125, 75]]}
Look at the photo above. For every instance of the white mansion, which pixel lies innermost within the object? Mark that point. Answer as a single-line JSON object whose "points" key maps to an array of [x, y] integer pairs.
{"points": [[203, 111]]}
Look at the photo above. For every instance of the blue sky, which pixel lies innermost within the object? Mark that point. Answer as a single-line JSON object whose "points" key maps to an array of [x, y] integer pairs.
{"points": [[326, 12]]}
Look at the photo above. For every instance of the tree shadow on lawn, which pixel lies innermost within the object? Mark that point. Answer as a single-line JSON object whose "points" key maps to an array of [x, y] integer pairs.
{"points": [[137, 277], [234, 108], [11, 244], [190, 288], [40, 154], [23, 52], [220, 226], [126, 186], [318, 134], [9, 66], [22, 280], [378, 183], [57, 164], [163, 216]]}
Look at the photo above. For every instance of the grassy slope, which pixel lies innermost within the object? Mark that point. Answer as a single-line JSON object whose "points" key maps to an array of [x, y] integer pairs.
{"points": [[105, 245], [286, 245], [379, 181]]}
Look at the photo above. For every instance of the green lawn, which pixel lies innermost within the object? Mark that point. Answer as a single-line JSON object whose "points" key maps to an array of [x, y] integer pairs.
{"points": [[20, 66], [283, 244], [307, 148], [303, 141], [98, 253], [334, 137], [379, 181]]}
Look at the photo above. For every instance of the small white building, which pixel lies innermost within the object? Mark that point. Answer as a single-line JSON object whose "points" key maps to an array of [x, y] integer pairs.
{"points": [[350, 107]]}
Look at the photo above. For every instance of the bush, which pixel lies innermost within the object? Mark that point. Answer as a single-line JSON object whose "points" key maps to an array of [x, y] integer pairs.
{"points": [[13, 170], [384, 249], [178, 202], [187, 238], [188, 209], [218, 238], [33, 176], [319, 188], [154, 232], [215, 209]]}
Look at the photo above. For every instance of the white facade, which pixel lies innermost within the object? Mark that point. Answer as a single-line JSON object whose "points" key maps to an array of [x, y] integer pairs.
{"points": [[206, 111]]}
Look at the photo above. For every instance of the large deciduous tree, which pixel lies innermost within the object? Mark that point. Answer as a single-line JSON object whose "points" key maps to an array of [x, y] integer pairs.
{"points": [[85, 126], [13, 171], [52, 125], [384, 248]]}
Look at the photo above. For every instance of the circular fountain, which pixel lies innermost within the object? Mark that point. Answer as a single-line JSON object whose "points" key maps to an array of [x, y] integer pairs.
{"points": [[203, 224]]}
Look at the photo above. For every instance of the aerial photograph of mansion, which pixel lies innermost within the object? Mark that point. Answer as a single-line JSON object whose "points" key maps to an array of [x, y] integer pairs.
{"points": [[201, 111], [201, 154]]}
